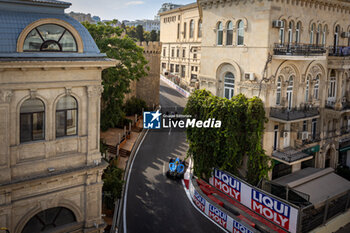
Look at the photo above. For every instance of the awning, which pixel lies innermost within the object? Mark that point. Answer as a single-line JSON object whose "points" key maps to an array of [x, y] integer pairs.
{"points": [[291, 156]]}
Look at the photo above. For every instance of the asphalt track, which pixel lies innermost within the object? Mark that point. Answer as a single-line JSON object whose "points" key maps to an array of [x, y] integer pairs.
{"points": [[155, 203]]}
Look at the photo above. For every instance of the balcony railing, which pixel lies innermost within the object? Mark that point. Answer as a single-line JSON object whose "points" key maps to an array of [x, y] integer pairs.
{"points": [[293, 49], [339, 51], [286, 114], [332, 105]]}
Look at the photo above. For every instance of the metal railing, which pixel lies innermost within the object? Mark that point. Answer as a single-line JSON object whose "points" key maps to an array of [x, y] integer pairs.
{"points": [[293, 113], [298, 49], [339, 51]]}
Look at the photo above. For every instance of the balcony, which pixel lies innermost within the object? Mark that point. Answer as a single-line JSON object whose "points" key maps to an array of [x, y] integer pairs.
{"points": [[301, 50], [291, 156], [294, 114], [345, 105], [312, 138], [339, 51]]}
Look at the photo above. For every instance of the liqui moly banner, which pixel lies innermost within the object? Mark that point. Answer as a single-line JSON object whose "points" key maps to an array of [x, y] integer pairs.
{"points": [[214, 212], [279, 212]]}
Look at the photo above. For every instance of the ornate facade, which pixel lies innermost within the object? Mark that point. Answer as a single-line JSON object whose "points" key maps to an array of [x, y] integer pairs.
{"points": [[294, 54], [50, 88]]}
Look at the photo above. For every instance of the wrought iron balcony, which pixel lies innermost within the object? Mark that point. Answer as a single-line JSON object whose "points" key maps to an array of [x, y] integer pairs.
{"points": [[332, 105], [297, 49], [339, 51], [293, 114]]}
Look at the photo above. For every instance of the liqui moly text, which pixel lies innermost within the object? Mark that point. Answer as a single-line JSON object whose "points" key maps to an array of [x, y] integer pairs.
{"points": [[199, 201], [239, 228], [271, 209], [227, 184], [218, 216]]}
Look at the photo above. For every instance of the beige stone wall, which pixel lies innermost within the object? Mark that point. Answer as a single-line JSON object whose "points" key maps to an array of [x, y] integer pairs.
{"points": [[147, 88], [189, 54], [53, 172]]}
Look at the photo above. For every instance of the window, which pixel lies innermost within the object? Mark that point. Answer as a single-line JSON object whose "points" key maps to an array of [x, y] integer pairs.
{"points": [[191, 28], [290, 92], [316, 87], [32, 117], [314, 128], [177, 68], [199, 28], [275, 138], [178, 31], [307, 89], [220, 34], [281, 33], [178, 53], [278, 92], [324, 35], [297, 33], [184, 53], [229, 33], [163, 65], [172, 52], [66, 117], [318, 34], [304, 126], [332, 85], [185, 29], [336, 36], [49, 38], [240, 33], [312, 33], [171, 68], [164, 52], [290, 32], [194, 55], [49, 219], [183, 71], [229, 85]]}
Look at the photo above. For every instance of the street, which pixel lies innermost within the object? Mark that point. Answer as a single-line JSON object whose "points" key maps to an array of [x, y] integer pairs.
{"points": [[155, 203]]}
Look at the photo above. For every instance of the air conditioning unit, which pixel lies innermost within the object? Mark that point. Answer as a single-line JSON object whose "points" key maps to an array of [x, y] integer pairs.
{"points": [[249, 76], [278, 24], [345, 35], [304, 135]]}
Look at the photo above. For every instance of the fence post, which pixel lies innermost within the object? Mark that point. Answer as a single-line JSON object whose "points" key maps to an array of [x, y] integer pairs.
{"points": [[326, 211]]}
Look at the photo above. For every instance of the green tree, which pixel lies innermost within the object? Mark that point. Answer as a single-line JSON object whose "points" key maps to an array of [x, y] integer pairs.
{"points": [[240, 135], [112, 184], [154, 36], [116, 80], [140, 33]]}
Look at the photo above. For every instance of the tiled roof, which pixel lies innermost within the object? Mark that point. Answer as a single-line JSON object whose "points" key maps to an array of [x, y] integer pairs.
{"points": [[12, 24]]}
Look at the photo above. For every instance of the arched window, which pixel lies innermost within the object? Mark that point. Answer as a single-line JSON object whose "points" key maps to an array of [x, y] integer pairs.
{"points": [[307, 88], [50, 38], [229, 85], [316, 87], [332, 86], [336, 35], [318, 34], [66, 117], [312, 33], [324, 35], [199, 28], [290, 32], [229, 34], [278, 92], [290, 92], [240, 33], [32, 118], [297, 33], [281, 33], [191, 28], [220, 33], [50, 219]]}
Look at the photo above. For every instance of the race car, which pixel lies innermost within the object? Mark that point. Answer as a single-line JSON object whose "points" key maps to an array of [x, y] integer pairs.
{"points": [[176, 169]]}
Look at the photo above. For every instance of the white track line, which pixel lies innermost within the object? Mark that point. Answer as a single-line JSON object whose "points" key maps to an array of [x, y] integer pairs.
{"points": [[190, 199], [127, 183]]}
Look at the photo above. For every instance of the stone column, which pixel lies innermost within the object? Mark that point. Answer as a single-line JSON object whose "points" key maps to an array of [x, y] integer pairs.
{"points": [[5, 99]]}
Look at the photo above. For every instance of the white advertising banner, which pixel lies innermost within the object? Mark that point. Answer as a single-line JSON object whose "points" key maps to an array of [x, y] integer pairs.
{"points": [[216, 214], [279, 212]]}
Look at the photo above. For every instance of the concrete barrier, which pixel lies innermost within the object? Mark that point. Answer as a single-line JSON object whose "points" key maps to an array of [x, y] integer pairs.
{"points": [[176, 87]]}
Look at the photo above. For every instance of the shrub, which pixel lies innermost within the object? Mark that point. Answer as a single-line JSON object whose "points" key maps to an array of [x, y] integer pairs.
{"points": [[134, 106]]}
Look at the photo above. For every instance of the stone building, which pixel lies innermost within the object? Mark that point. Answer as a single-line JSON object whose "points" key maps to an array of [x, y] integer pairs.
{"points": [[294, 55], [50, 87], [147, 88], [181, 36], [81, 17]]}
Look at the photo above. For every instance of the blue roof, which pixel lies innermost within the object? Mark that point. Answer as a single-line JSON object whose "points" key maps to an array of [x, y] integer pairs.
{"points": [[12, 24]]}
